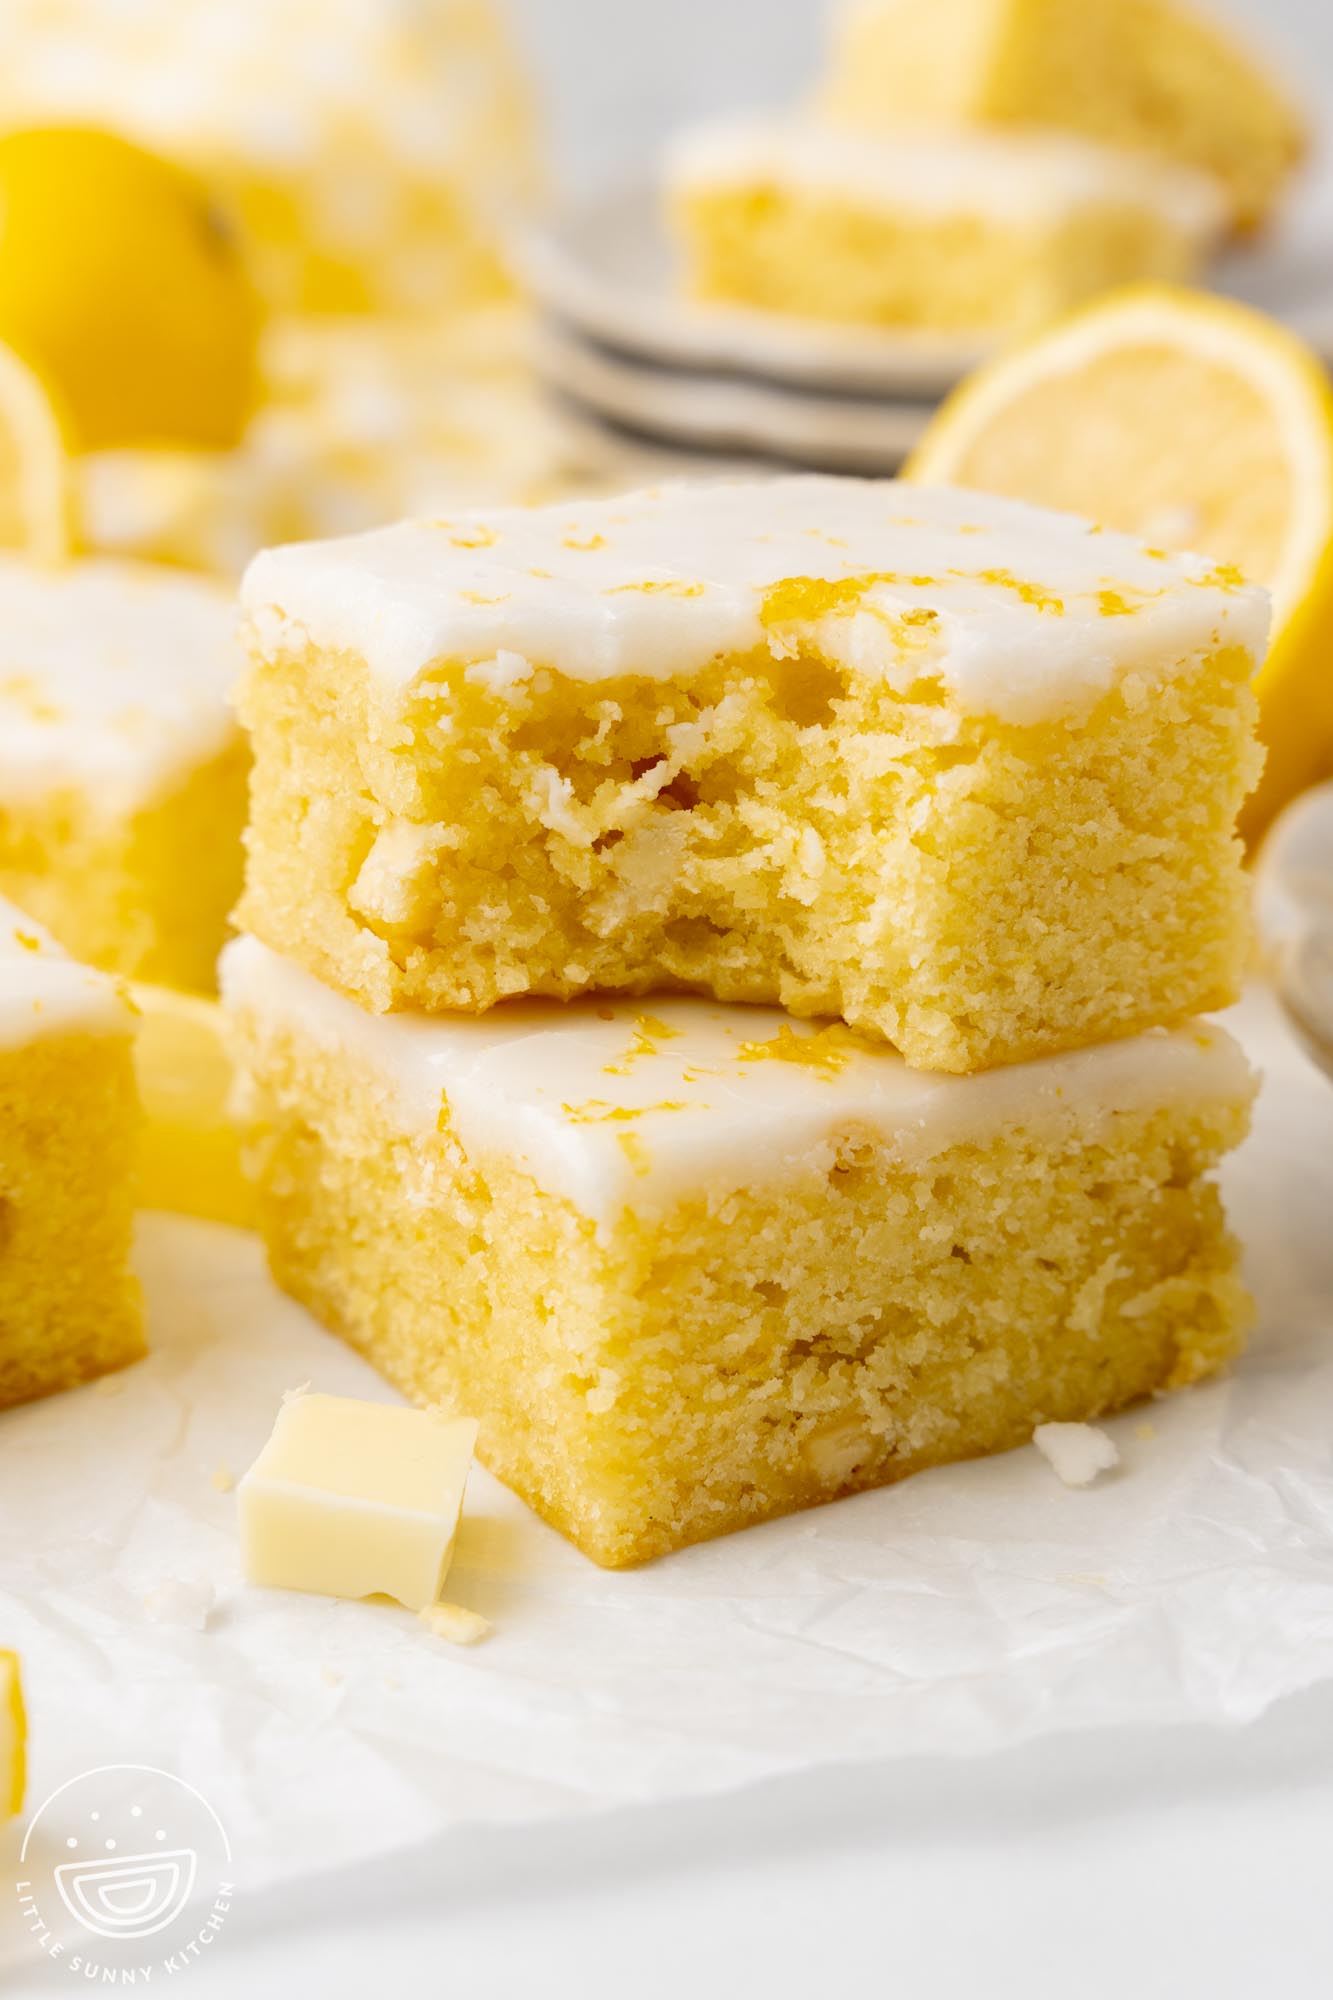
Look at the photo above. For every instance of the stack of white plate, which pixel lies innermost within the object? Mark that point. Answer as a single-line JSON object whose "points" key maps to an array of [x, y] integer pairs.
{"points": [[617, 339], [618, 342]]}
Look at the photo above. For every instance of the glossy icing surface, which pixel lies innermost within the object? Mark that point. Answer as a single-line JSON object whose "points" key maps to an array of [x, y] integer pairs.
{"points": [[616, 1104], [45, 992], [114, 679], [1022, 614], [1013, 177]]}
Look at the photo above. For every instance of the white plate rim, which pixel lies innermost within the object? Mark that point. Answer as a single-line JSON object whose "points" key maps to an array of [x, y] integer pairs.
{"points": [[724, 414], [656, 323]]}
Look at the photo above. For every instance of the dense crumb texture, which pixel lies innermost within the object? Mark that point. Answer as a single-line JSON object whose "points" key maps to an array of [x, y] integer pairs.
{"points": [[775, 830], [829, 1325], [69, 1307], [1149, 74], [122, 769], [970, 234], [967, 779], [820, 256], [146, 893]]}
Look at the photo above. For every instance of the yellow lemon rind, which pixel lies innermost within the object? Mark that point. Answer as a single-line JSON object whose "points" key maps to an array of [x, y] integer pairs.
{"points": [[18, 1718]]}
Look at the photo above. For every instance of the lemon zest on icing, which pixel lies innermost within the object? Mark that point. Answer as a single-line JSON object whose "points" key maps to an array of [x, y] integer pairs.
{"points": [[1027, 593], [649, 1033], [636, 1152], [1225, 575], [476, 535], [827, 1051], [598, 1112]]}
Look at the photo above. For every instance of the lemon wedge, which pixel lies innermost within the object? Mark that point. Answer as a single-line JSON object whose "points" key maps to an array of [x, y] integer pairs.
{"points": [[122, 285], [13, 1737], [1196, 423], [190, 1154], [34, 467]]}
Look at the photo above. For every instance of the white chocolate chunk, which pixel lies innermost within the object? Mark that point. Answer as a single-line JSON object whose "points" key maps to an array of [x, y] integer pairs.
{"points": [[394, 881], [354, 1499], [1076, 1453], [455, 1623], [180, 1600]]}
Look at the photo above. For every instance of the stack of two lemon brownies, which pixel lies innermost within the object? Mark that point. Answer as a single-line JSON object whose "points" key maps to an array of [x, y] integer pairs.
{"points": [[926, 801]]}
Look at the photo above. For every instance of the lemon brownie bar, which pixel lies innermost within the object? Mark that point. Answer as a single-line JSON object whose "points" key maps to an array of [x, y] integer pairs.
{"points": [[701, 1266], [69, 1308], [960, 772], [122, 767], [1148, 74], [971, 232]]}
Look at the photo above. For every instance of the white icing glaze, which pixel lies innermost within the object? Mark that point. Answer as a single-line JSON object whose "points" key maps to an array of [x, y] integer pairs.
{"points": [[598, 1106], [43, 991], [114, 679], [1012, 177], [663, 581]]}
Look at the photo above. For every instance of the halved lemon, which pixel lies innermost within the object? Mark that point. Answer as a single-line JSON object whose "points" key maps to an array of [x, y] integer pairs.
{"points": [[1196, 423], [34, 465], [122, 283], [190, 1150], [13, 1737]]}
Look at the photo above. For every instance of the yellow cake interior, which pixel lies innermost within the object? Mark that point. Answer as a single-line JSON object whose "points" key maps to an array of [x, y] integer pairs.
{"points": [[820, 255], [69, 1309], [146, 894], [839, 1325], [772, 828]]}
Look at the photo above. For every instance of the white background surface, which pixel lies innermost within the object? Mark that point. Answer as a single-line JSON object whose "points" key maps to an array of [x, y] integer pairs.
{"points": [[1138, 1867], [617, 75]]}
